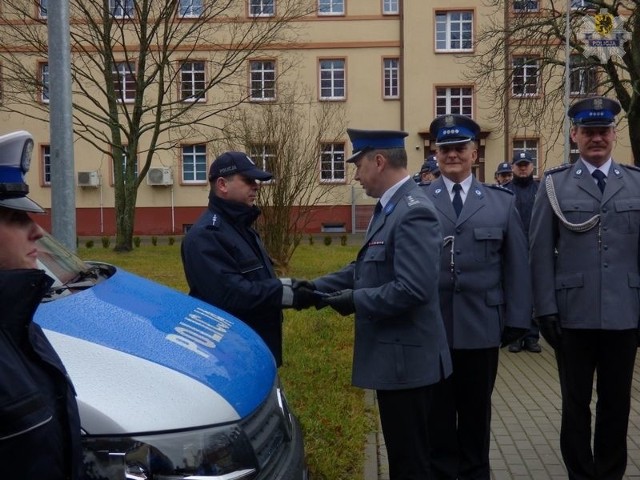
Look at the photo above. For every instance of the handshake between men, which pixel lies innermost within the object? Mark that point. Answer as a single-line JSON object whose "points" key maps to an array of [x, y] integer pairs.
{"points": [[301, 294]]}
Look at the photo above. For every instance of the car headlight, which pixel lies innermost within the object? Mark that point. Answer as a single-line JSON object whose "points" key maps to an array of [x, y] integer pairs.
{"points": [[210, 453]]}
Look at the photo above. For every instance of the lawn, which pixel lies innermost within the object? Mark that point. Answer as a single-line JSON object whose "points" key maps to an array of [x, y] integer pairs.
{"points": [[317, 355]]}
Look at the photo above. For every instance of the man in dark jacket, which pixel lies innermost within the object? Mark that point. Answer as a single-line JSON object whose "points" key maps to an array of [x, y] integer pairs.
{"points": [[524, 186], [39, 422], [224, 259]]}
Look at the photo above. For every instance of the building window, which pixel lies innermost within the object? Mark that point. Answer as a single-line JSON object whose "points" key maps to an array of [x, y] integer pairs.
{"points": [[454, 100], [42, 8], [262, 8], [583, 5], [526, 5], [330, 7], [125, 81], [391, 76], [263, 80], [390, 7], [45, 154], [525, 76], [190, 8], [264, 156], [194, 163], [529, 146], [454, 31], [583, 78], [121, 8], [332, 164], [332, 80], [44, 82], [192, 82], [124, 166]]}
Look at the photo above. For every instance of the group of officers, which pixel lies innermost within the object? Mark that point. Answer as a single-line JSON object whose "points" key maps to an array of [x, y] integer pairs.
{"points": [[451, 270]]}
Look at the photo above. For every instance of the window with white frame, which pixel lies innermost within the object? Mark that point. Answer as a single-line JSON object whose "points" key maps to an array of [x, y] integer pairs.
{"points": [[42, 8], [192, 81], [391, 77], [262, 79], [583, 77], [264, 156], [332, 163], [44, 82], [526, 5], [190, 8], [390, 7], [194, 163], [262, 8], [525, 76], [332, 79], [330, 7], [529, 146], [124, 81], [454, 100], [45, 154], [454, 31], [124, 166], [121, 8]]}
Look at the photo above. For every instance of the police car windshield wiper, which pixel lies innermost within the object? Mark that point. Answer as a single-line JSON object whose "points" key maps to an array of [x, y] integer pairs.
{"points": [[58, 290]]}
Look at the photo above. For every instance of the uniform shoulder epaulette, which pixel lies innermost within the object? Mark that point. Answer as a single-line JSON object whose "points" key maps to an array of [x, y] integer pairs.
{"points": [[500, 188], [215, 222], [559, 168], [411, 200], [424, 184], [630, 167]]}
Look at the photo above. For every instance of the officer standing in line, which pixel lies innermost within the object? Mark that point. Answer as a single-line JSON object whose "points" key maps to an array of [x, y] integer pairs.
{"points": [[504, 173], [400, 347], [429, 171], [524, 187], [485, 298], [224, 259], [585, 256], [39, 421]]}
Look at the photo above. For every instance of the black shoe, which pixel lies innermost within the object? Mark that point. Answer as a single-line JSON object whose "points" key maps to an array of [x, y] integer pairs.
{"points": [[515, 347], [532, 345]]}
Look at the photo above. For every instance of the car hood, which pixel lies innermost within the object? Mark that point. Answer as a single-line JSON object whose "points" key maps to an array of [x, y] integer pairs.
{"points": [[144, 357]]}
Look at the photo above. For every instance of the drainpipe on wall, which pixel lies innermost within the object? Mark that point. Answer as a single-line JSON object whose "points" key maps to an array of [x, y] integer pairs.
{"points": [[507, 83]]}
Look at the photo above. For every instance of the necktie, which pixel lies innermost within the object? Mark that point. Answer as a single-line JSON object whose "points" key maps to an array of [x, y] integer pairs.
{"points": [[600, 177], [457, 199]]}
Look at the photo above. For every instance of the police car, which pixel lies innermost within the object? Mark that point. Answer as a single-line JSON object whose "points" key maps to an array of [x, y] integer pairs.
{"points": [[168, 387]]}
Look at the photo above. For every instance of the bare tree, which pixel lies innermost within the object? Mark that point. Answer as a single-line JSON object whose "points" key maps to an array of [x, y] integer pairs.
{"points": [[535, 31], [289, 137], [129, 59]]}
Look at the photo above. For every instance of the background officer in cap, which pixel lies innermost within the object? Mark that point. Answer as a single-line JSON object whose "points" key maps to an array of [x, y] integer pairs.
{"points": [[585, 252], [39, 422], [400, 347], [504, 173], [429, 171], [224, 259], [485, 298], [524, 187]]}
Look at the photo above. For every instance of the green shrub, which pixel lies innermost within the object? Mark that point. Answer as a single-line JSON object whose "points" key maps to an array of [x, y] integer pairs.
{"points": [[171, 240], [154, 240], [136, 241], [106, 241], [89, 244], [327, 240], [343, 240]]}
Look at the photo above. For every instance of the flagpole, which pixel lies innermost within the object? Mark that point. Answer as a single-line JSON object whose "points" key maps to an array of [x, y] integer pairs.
{"points": [[567, 85]]}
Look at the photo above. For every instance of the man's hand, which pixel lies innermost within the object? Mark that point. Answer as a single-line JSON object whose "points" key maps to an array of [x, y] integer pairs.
{"points": [[550, 329], [511, 335], [341, 301], [304, 295]]}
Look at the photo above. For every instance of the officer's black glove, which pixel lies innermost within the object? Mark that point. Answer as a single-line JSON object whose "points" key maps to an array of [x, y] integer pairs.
{"points": [[550, 329], [304, 295], [341, 301], [511, 335]]}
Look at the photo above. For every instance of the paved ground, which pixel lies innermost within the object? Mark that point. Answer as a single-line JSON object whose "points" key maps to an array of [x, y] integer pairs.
{"points": [[525, 423]]}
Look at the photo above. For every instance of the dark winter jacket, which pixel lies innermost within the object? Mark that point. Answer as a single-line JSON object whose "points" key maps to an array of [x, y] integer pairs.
{"points": [[39, 423], [525, 190]]}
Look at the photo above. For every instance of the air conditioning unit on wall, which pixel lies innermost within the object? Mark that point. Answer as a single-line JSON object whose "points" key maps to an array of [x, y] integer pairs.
{"points": [[88, 179], [160, 176]]}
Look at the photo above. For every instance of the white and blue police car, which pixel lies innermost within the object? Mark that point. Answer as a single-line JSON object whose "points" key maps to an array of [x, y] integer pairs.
{"points": [[168, 387]]}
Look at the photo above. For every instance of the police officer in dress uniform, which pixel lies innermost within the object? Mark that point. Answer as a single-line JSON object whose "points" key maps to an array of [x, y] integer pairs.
{"points": [[224, 259], [39, 422], [585, 252], [429, 171], [504, 173], [400, 347], [485, 298]]}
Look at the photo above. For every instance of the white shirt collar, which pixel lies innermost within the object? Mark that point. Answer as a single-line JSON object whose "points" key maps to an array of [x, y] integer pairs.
{"points": [[386, 196], [604, 167], [465, 184]]}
